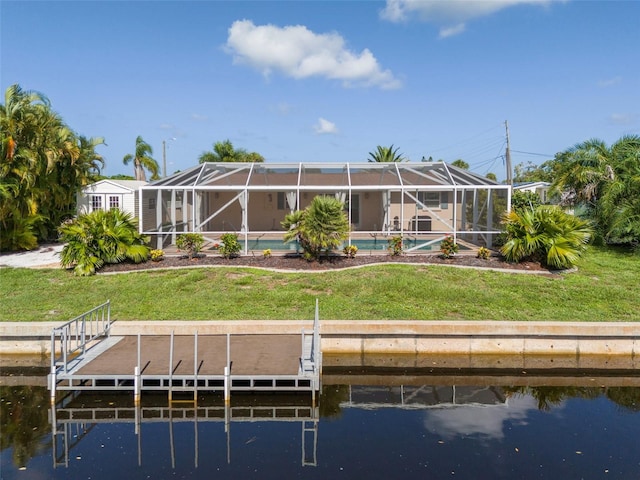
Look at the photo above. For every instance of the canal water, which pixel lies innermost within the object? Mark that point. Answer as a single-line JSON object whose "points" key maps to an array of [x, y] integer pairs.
{"points": [[460, 427]]}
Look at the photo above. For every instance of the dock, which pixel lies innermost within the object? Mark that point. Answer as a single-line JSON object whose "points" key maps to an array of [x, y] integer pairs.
{"points": [[87, 357]]}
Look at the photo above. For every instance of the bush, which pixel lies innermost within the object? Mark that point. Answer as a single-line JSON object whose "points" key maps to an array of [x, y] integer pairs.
{"points": [[266, 253], [395, 245], [99, 238], [319, 228], [484, 253], [448, 247], [545, 234], [230, 246], [156, 255], [350, 251], [191, 243]]}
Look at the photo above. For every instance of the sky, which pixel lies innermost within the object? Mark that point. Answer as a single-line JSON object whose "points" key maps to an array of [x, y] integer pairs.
{"points": [[329, 81]]}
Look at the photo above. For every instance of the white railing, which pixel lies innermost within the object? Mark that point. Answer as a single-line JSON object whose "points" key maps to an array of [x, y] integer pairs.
{"points": [[72, 338]]}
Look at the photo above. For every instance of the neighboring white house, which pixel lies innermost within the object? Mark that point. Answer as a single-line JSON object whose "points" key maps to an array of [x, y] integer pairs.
{"points": [[108, 194], [541, 188]]}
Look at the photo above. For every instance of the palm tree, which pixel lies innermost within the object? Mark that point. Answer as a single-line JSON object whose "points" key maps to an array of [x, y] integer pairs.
{"points": [[546, 234], [142, 160], [101, 237], [319, 228], [225, 152], [604, 181], [385, 155]]}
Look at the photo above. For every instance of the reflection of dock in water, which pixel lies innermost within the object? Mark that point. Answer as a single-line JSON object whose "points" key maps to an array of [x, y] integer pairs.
{"points": [[71, 421], [421, 397]]}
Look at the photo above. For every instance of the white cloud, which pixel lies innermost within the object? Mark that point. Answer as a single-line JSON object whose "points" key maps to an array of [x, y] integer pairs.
{"points": [[451, 31], [609, 82], [198, 117], [622, 118], [325, 126], [298, 52], [450, 15]]}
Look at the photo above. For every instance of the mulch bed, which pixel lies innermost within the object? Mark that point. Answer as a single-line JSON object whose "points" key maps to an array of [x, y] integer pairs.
{"points": [[296, 262]]}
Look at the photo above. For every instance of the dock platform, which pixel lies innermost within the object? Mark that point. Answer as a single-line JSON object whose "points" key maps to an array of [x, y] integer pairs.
{"points": [[87, 357]]}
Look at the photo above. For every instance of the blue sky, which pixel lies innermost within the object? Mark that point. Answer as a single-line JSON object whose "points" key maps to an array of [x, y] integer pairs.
{"points": [[328, 81]]}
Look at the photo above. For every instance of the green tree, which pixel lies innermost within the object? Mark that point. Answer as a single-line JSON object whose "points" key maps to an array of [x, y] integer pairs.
{"points": [[385, 155], [44, 164], [319, 228], [225, 152], [530, 172], [603, 183], [524, 200], [460, 164], [99, 238], [546, 234], [142, 160]]}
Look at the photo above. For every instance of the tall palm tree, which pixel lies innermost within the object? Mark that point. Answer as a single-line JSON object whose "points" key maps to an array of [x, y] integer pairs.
{"points": [[385, 155], [225, 152], [142, 160]]}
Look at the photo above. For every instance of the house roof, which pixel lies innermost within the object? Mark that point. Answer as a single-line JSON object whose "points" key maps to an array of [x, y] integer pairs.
{"points": [[521, 186], [131, 185], [311, 176]]}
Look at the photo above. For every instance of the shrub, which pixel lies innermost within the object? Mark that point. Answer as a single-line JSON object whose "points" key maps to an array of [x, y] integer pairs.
{"points": [[545, 234], [191, 243], [319, 228], [448, 247], [99, 238], [230, 246], [350, 251], [156, 255], [483, 253], [395, 245], [266, 253]]}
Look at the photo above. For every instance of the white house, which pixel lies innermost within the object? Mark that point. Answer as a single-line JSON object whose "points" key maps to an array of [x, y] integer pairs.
{"points": [[541, 188], [108, 194]]}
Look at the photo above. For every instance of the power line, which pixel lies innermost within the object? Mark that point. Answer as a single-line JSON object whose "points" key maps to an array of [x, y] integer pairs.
{"points": [[531, 153]]}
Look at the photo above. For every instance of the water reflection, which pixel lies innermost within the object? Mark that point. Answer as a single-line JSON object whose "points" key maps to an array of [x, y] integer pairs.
{"points": [[362, 431]]}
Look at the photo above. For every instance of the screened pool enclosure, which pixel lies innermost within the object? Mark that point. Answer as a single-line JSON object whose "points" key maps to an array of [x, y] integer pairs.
{"points": [[422, 202]]}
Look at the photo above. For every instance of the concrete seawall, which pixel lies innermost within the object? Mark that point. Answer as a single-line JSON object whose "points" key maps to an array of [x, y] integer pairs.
{"points": [[402, 344]]}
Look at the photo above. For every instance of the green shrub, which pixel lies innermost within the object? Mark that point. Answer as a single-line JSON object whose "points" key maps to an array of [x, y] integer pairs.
{"points": [[395, 245], [101, 237], [191, 243], [448, 247], [319, 228], [545, 234], [266, 253], [230, 246]]}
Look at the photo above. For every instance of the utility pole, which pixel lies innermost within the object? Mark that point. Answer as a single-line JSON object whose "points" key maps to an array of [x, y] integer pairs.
{"points": [[164, 156], [507, 156]]}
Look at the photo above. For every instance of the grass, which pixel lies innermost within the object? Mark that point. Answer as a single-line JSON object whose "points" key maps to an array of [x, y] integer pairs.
{"points": [[606, 287]]}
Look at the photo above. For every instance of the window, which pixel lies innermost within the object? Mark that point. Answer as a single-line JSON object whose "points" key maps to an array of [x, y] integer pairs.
{"points": [[152, 203], [429, 199], [433, 200], [282, 202], [114, 202], [96, 202]]}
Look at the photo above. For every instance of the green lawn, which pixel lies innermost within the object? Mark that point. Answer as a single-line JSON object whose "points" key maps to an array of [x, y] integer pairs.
{"points": [[606, 287]]}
